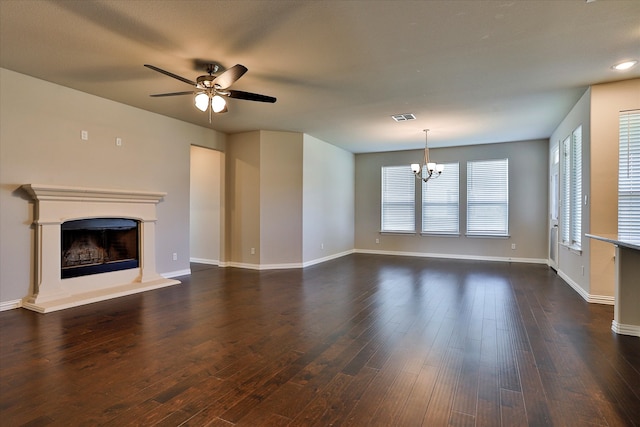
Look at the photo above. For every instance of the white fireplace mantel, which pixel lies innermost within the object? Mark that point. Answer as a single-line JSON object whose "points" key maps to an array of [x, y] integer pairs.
{"points": [[57, 204]]}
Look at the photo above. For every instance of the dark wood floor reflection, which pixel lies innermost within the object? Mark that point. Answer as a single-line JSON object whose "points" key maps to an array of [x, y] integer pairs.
{"points": [[362, 340]]}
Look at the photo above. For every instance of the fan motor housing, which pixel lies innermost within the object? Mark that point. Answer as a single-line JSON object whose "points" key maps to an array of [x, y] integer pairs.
{"points": [[205, 82]]}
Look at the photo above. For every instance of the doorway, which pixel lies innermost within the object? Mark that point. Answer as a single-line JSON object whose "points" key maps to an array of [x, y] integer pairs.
{"points": [[205, 205]]}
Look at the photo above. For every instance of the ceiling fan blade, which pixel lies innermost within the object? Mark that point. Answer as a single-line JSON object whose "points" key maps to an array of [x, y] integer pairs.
{"points": [[157, 95], [238, 94], [167, 73], [227, 78]]}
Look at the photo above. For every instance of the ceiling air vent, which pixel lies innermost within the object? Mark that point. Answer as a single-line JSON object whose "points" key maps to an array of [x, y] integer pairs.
{"points": [[403, 117]]}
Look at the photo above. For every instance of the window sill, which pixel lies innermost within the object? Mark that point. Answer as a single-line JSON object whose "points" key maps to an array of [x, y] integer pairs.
{"points": [[572, 248], [407, 233], [441, 234], [489, 236]]}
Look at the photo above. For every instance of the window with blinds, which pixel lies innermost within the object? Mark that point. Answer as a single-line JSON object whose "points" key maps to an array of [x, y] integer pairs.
{"points": [[440, 202], [488, 197], [571, 221], [398, 199], [629, 175]]}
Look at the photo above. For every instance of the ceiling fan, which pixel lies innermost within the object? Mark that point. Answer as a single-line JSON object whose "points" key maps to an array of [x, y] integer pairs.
{"points": [[210, 90]]}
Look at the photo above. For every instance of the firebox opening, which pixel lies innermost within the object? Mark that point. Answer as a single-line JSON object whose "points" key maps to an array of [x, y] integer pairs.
{"points": [[99, 245]]}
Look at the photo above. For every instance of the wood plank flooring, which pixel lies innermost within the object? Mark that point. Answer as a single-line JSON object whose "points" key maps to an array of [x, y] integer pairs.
{"points": [[363, 340]]}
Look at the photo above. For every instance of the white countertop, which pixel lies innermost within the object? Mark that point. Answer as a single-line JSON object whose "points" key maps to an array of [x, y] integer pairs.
{"points": [[617, 239]]}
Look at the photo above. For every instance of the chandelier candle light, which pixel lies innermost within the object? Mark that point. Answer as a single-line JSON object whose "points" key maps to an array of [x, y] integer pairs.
{"points": [[428, 169]]}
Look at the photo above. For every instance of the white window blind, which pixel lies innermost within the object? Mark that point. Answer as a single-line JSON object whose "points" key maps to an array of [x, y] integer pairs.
{"points": [[488, 197], [576, 187], [440, 202], [571, 221], [629, 175], [398, 199], [566, 191]]}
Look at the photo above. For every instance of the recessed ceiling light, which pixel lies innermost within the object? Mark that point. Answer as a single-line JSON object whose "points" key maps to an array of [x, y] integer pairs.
{"points": [[623, 66]]}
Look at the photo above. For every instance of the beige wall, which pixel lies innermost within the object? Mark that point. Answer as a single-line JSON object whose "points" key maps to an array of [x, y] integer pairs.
{"points": [[527, 204], [290, 196], [205, 204], [243, 198], [280, 198], [607, 100], [328, 200], [40, 126]]}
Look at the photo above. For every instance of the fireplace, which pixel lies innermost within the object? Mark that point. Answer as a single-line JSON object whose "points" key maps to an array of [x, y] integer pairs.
{"points": [[98, 245], [92, 244]]}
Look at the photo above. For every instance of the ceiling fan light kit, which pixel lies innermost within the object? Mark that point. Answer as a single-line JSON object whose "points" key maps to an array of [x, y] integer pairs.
{"points": [[209, 90], [218, 104], [202, 101]]}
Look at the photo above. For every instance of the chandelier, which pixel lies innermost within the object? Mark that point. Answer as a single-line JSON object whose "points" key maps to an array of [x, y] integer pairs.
{"points": [[428, 169]]}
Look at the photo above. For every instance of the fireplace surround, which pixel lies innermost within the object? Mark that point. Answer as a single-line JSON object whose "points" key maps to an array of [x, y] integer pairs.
{"points": [[59, 205]]}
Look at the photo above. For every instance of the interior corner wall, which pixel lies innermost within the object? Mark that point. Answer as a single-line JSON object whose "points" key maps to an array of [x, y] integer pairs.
{"points": [[280, 198], [328, 200], [607, 101], [40, 143], [242, 206], [574, 266]]}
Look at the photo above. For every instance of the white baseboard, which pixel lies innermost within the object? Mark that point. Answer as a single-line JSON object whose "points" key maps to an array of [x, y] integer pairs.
{"points": [[178, 273], [10, 305], [601, 299], [374, 252], [593, 299], [622, 329], [327, 258], [286, 266], [262, 266], [454, 256], [205, 261]]}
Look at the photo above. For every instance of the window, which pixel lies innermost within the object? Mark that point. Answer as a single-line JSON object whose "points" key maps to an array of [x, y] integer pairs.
{"points": [[440, 207], [629, 176], [488, 197], [571, 221], [398, 199]]}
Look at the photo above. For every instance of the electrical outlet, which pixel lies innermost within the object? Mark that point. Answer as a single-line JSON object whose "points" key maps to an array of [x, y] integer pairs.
{"points": [[253, 251], [118, 142], [377, 240], [175, 256], [84, 135], [513, 246]]}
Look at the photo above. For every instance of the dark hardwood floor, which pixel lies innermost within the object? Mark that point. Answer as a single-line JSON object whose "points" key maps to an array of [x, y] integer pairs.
{"points": [[362, 340]]}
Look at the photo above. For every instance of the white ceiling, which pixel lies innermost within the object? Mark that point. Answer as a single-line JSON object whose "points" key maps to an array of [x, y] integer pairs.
{"points": [[471, 71]]}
